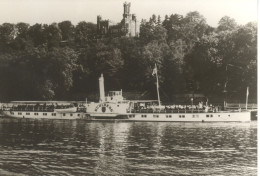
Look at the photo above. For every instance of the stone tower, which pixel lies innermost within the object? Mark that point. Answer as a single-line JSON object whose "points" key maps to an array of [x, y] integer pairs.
{"points": [[126, 9], [102, 26], [130, 24]]}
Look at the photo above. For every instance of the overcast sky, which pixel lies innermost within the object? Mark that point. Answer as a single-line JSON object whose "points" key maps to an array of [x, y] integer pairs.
{"points": [[48, 11]]}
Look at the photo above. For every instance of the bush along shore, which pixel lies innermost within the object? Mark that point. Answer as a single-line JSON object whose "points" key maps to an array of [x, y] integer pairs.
{"points": [[63, 61]]}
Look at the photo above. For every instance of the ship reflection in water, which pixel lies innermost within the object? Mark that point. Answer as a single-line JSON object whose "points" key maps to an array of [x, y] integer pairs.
{"points": [[77, 147]]}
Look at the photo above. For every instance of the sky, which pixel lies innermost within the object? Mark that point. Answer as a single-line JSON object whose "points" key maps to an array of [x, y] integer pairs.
{"points": [[49, 11]]}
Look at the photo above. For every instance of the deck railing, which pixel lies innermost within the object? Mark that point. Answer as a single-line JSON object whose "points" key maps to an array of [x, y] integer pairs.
{"points": [[173, 111], [40, 109], [241, 105]]}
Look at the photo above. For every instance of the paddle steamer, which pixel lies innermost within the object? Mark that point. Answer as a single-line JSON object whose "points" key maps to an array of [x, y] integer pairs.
{"points": [[114, 106]]}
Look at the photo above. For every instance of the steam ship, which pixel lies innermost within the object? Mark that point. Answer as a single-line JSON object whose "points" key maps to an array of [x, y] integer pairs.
{"points": [[114, 106]]}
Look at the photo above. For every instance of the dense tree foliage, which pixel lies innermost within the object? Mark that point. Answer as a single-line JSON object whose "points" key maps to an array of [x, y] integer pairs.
{"points": [[63, 61]]}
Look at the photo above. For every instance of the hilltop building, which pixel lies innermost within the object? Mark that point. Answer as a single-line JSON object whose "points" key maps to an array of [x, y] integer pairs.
{"points": [[129, 26]]}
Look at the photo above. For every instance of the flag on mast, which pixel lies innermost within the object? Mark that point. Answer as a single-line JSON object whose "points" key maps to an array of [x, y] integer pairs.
{"points": [[157, 83], [154, 70], [247, 93]]}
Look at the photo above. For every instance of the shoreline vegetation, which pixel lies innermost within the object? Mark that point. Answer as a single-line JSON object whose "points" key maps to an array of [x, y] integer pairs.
{"points": [[61, 61]]}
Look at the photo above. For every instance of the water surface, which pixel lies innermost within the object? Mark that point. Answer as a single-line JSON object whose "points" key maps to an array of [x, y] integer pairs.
{"points": [[78, 147]]}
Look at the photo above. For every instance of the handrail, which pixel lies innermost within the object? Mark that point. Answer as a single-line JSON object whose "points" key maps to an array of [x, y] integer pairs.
{"points": [[165, 111]]}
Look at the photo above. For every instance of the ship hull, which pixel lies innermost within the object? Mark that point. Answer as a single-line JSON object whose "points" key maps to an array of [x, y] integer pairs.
{"points": [[43, 115], [192, 117], [157, 117]]}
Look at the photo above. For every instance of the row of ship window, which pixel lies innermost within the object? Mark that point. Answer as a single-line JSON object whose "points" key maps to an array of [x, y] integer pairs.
{"points": [[180, 116], [131, 116], [157, 116], [44, 114], [170, 116]]}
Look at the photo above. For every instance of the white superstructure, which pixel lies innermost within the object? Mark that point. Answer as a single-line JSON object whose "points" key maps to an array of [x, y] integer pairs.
{"points": [[111, 106], [43, 110], [44, 115]]}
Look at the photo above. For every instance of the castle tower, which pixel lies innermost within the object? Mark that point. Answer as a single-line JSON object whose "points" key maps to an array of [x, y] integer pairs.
{"points": [[102, 26], [98, 24], [126, 9], [128, 27]]}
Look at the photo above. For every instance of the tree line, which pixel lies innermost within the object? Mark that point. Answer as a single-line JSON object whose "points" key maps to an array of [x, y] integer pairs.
{"points": [[63, 61]]}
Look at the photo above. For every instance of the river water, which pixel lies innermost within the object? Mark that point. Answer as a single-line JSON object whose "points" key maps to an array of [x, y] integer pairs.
{"points": [[78, 147]]}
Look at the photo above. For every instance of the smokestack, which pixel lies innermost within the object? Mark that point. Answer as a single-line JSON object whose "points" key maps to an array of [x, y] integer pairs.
{"points": [[101, 88]]}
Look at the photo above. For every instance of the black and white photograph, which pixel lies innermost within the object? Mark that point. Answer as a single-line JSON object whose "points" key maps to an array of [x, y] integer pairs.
{"points": [[136, 87]]}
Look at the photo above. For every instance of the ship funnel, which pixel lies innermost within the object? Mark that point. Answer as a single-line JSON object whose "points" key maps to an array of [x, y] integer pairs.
{"points": [[101, 88]]}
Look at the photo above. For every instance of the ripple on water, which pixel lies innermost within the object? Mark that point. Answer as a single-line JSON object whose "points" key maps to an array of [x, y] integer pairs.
{"points": [[82, 148]]}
